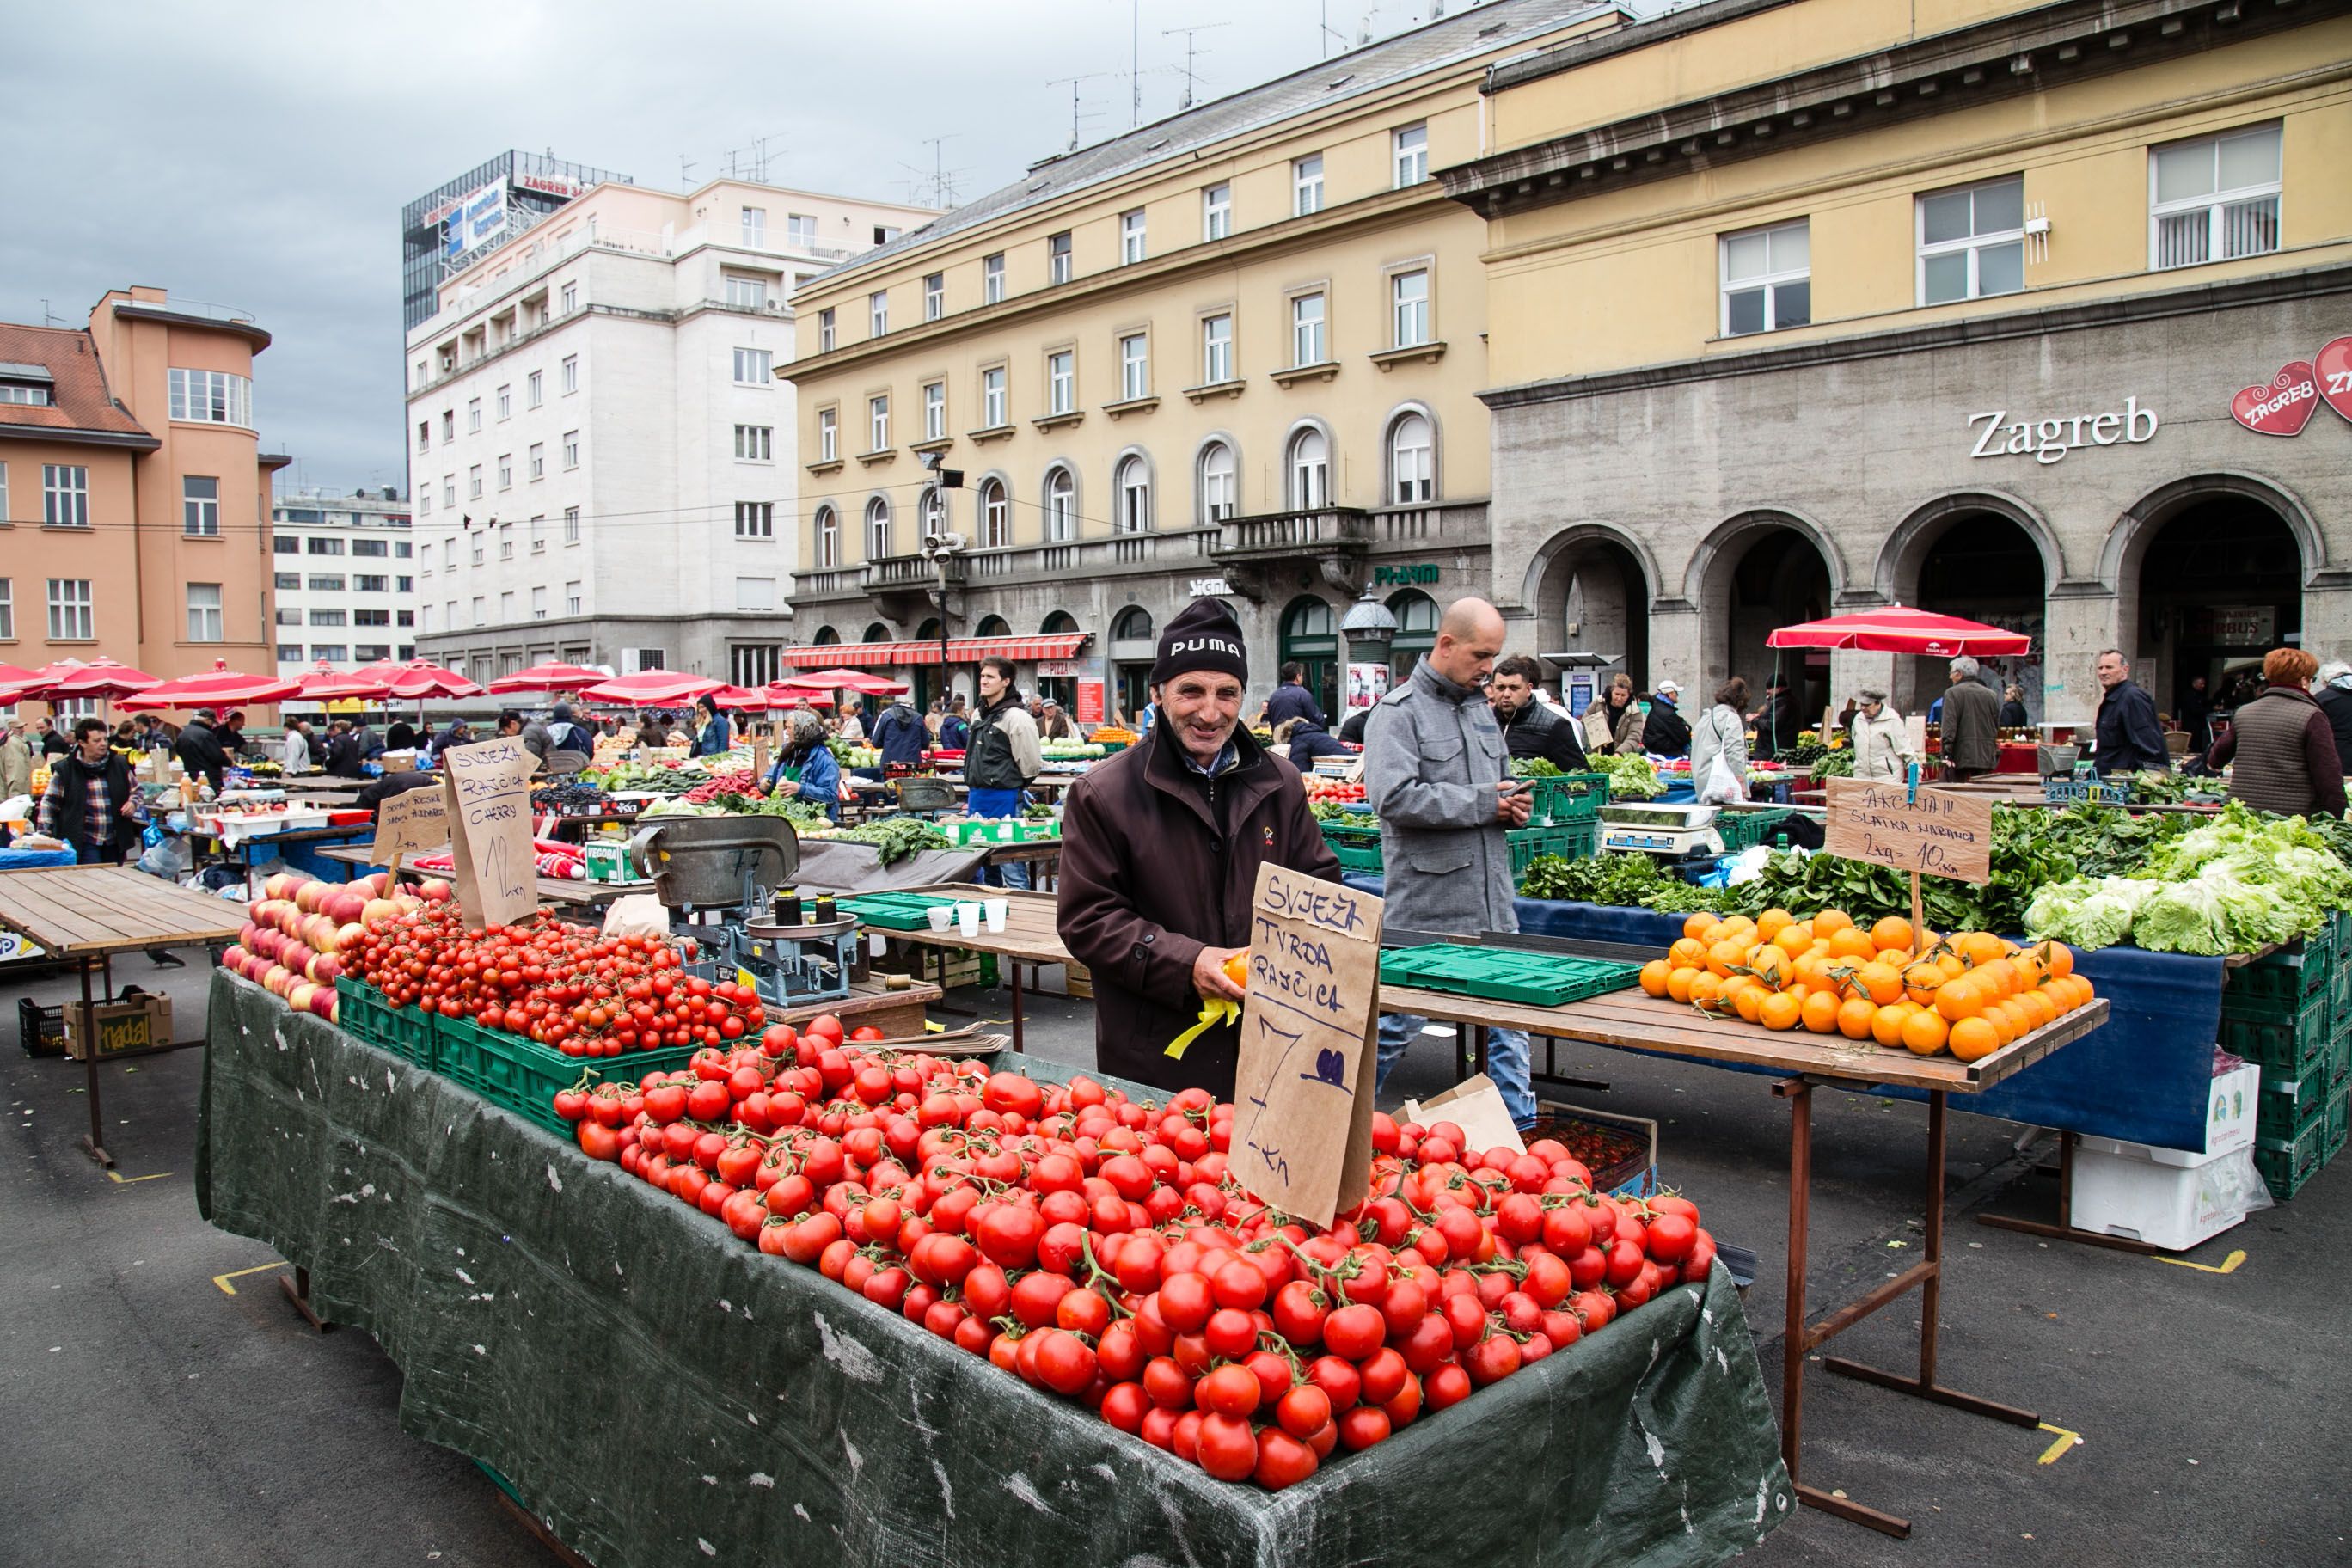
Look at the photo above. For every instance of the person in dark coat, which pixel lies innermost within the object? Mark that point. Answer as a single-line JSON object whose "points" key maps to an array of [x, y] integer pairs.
{"points": [[2332, 690], [1665, 734], [375, 792], [1531, 728], [955, 726], [199, 749], [1307, 741], [2013, 715], [2129, 738], [1777, 721], [231, 734], [1291, 699], [2281, 745], [1970, 722], [400, 737], [899, 735], [1352, 729], [1160, 848], [2196, 715], [91, 802], [714, 737]]}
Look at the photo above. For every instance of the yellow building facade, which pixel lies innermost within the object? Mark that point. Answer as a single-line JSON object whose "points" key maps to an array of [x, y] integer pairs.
{"points": [[1234, 354], [2026, 312]]}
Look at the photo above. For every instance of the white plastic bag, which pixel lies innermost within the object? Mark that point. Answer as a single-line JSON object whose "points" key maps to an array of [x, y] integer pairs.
{"points": [[637, 914]]}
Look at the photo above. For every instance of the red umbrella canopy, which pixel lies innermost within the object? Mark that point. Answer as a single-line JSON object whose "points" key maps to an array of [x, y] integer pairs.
{"points": [[783, 694], [557, 677], [220, 688], [651, 689], [101, 677], [1898, 630], [741, 697], [419, 679], [327, 684], [844, 679]]}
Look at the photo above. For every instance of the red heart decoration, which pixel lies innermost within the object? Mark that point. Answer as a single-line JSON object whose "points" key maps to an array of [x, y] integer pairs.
{"points": [[2282, 408], [2334, 364]]}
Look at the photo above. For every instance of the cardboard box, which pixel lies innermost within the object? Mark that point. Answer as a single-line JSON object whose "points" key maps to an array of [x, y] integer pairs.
{"points": [[133, 1024]]}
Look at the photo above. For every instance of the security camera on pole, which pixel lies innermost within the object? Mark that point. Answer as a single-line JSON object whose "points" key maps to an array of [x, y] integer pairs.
{"points": [[938, 545]]}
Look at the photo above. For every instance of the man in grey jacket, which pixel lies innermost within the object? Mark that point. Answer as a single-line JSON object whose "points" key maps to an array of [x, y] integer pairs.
{"points": [[1435, 766]]}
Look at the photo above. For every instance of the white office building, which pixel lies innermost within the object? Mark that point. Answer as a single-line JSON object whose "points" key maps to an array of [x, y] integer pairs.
{"points": [[601, 456], [345, 586]]}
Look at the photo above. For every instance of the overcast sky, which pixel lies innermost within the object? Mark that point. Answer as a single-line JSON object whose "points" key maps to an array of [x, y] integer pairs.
{"points": [[257, 155]]}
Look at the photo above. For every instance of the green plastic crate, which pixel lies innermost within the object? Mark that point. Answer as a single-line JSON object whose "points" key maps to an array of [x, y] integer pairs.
{"points": [[1575, 841], [1359, 849], [1506, 975], [2286, 1163], [2288, 1046], [2280, 983], [2337, 1118], [519, 1074], [1569, 797], [1745, 829], [361, 1011], [894, 912], [2287, 1106]]}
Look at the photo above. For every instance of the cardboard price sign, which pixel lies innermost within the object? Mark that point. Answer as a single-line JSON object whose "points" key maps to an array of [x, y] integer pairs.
{"points": [[412, 819], [489, 785], [1303, 1084], [1944, 833]]}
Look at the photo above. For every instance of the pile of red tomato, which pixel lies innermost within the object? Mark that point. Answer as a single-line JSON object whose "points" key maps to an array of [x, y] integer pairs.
{"points": [[563, 986], [1098, 1247]]}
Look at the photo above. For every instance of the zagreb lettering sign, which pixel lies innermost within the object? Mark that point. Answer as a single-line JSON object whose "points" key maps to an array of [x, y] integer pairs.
{"points": [[2284, 405], [2048, 441]]}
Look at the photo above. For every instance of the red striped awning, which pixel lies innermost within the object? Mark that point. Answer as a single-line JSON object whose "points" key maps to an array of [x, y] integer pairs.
{"points": [[961, 650]]}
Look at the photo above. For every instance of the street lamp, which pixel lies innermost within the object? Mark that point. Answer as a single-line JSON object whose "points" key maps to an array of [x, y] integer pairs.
{"points": [[1369, 622], [938, 545]]}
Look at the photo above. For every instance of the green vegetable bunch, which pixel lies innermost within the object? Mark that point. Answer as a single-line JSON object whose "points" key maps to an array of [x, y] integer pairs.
{"points": [[896, 837]]}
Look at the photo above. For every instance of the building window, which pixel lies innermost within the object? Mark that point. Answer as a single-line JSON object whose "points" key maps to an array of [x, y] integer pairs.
{"points": [[373, 548], [424, 501], [800, 230], [935, 410], [325, 547], [755, 592], [449, 426], [212, 397], [537, 457], [1216, 350], [878, 312], [449, 552], [65, 495], [828, 539], [204, 612], [401, 549], [506, 470], [290, 652], [885, 233], [1306, 185], [569, 298], [935, 295], [1131, 238], [1767, 279], [287, 617], [1972, 242], [746, 293], [1133, 488], [538, 536], [473, 485], [571, 600], [371, 617], [534, 389], [932, 508], [1062, 382], [751, 368], [405, 585], [570, 525], [1409, 306], [825, 331], [367, 583], [995, 515], [70, 618], [476, 539], [877, 529], [755, 228], [2214, 199], [200, 506], [286, 581], [1058, 258], [755, 663], [326, 582], [1410, 147], [32, 394], [286, 545], [571, 448], [755, 519], [1216, 212], [991, 397], [1309, 470], [505, 402], [829, 436], [755, 443], [473, 416], [1307, 330], [448, 490], [539, 603], [1218, 489], [424, 436], [507, 607], [329, 652], [1061, 507], [505, 542], [1413, 461], [1135, 366], [878, 424], [991, 279], [8, 610]]}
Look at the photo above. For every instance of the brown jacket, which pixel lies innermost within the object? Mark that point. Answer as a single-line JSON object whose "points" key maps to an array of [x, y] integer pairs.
{"points": [[2282, 755], [1157, 863], [1971, 727]]}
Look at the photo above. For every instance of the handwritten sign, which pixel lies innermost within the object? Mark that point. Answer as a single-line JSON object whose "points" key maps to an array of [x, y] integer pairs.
{"points": [[412, 819], [760, 757], [489, 788], [1944, 833], [1303, 1137]]}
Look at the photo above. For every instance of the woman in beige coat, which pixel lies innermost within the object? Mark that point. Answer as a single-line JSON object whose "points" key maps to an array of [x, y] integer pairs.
{"points": [[1882, 743], [1623, 717], [16, 760]]}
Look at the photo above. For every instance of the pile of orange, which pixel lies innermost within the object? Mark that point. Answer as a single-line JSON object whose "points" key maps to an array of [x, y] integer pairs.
{"points": [[1969, 994]]}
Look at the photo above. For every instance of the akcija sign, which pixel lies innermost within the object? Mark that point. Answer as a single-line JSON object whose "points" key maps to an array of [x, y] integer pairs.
{"points": [[2048, 441], [2284, 405]]}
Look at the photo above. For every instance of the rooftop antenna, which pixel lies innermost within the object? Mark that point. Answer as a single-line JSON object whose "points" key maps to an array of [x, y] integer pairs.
{"points": [[938, 189], [1329, 32], [1077, 116], [1191, 77], [1135, 63], [685, 172]]}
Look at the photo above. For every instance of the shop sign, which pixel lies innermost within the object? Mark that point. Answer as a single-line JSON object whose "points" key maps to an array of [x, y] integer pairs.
{"points": [[1058, 669], [2282, 407], [1939, 833], [1210, 588], [1421, 575], [549, 184], [2048, 441], [1091, 702], [2334, 364], [2229, 626]]}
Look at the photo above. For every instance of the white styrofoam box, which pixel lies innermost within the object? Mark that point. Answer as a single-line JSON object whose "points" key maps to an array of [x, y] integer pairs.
{"points": [[2122, 1189]]}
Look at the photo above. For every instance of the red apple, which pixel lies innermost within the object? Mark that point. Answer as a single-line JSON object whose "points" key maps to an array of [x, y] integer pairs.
{"points": [[298, 995], [435, 890]]}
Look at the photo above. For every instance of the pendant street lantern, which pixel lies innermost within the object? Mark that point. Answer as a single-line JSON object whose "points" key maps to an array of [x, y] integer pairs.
{"points": [[1369, 628]]}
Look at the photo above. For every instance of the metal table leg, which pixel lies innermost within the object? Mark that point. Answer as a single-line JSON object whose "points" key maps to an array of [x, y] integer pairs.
{"points": [[95, 1143], [298, 1292], [1014, 965], [2065, 1229]]}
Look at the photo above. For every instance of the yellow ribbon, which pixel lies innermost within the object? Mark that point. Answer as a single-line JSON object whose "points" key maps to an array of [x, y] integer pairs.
{"points": [[1212, 1013]]}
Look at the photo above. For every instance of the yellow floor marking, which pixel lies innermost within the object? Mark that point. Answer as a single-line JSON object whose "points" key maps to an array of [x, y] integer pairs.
{"points": [[2227, 1266], [119, 1179], [228, 1290], [2065, 1440]]}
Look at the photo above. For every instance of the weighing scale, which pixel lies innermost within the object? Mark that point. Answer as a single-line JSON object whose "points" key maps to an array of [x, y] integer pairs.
{"points": [[1669, 832], [726, 868]]}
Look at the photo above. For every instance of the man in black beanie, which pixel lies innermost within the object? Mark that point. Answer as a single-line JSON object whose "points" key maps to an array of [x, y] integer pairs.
{"points": [[1160, 846]]}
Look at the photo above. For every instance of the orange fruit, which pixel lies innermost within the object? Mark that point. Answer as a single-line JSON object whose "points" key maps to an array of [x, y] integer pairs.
{"points": [[1886, 1028], [1779, 1011], [2038, 1007], [2008, 1020], [1678, 983], [1727, 955], [1924, 1032], [2059, 957], [1749, 1001], [1973, 1037], [1920, 982], [1821, 1011], [1812, 969], [1828, 922], [1653, 976], [1855, 1016], [1688, 952], [1697, 923], [1769, 964], [1999, 977], [1981, 947], [1704, 988], [1958, 999], [1772, 922], [1796, 937], [1891, 934], [1951, 964], [1849, 943], [1881, 982]]}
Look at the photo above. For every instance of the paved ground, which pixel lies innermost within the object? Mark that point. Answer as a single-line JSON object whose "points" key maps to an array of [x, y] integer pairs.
{"points": [[153, 1405]]}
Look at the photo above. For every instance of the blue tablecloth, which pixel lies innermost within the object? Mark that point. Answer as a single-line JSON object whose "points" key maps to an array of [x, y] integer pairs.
{"points": [[2143, 1076], [27, 859]]}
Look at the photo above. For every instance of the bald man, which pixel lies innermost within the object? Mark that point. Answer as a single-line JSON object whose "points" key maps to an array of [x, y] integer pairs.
{"points": [[1435, 769]]}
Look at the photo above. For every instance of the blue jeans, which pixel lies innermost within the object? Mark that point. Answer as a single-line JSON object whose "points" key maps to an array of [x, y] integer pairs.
{"points": [[998, 803], [1508, 1062]]}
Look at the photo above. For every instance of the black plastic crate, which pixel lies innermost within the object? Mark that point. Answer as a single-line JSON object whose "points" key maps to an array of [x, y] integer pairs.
{"points": [[40, 1030]]}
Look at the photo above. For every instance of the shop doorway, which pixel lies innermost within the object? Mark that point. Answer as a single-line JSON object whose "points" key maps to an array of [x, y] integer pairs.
{"points": [[1310, 635], [1986, 567], [926, 682], [2220, 587], [1133, 646], [1061, 688], [1775, 576], [1594, 595], [1416, 633]]}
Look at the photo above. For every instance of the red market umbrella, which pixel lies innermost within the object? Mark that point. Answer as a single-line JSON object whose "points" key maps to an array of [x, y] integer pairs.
{"points": [[727, 696], [1899, 630], [782, 695], [326, 684], [421, 678], [103, 679], [557, 677], [219, 687], [651, 689], [857, 681]]}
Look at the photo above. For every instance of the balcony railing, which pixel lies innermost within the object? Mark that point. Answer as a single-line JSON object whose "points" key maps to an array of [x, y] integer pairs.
{"points": [[900, 574], [1092, 557], [1329, 530]]}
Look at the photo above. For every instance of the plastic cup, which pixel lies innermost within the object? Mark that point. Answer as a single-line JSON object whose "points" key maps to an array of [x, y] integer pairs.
{"points": [[968, 919], [938, 915], [995, 909]]}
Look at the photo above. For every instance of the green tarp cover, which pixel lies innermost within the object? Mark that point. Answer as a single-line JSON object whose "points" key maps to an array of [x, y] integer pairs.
{"points": [[659, 1393]]}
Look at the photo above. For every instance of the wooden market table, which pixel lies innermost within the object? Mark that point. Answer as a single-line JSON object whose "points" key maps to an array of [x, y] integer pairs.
{"points": [[551, 890], [1029, 935], [86, 915]]}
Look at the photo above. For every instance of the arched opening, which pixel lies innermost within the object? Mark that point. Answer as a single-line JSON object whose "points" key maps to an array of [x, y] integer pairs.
{"points": [[1416, 633], [1306, 468], [1133, 646], [1057, 680], [1060, 623], [827, 637], [827, 527], [1218, 484], [878, 632], [1131, 494], [995, 515], [1310, 635], [2220, 585], [1061, 505], [932, 508], [1760, 578], [992, 627], [1985, 566], [1592, 594], [877, 528], [1412, 460]]}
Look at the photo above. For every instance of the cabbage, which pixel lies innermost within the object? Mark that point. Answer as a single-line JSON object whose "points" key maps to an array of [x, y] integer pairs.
{"points": [[2183, 917], [2053, 907]]}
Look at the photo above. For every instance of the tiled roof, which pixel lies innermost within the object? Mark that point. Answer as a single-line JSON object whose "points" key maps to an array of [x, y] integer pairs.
{"points": [[1472, 32], [82, 403]]}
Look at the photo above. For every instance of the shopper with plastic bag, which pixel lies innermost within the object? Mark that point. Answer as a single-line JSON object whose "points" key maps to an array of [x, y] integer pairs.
{"points": [[1719, 747]]}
